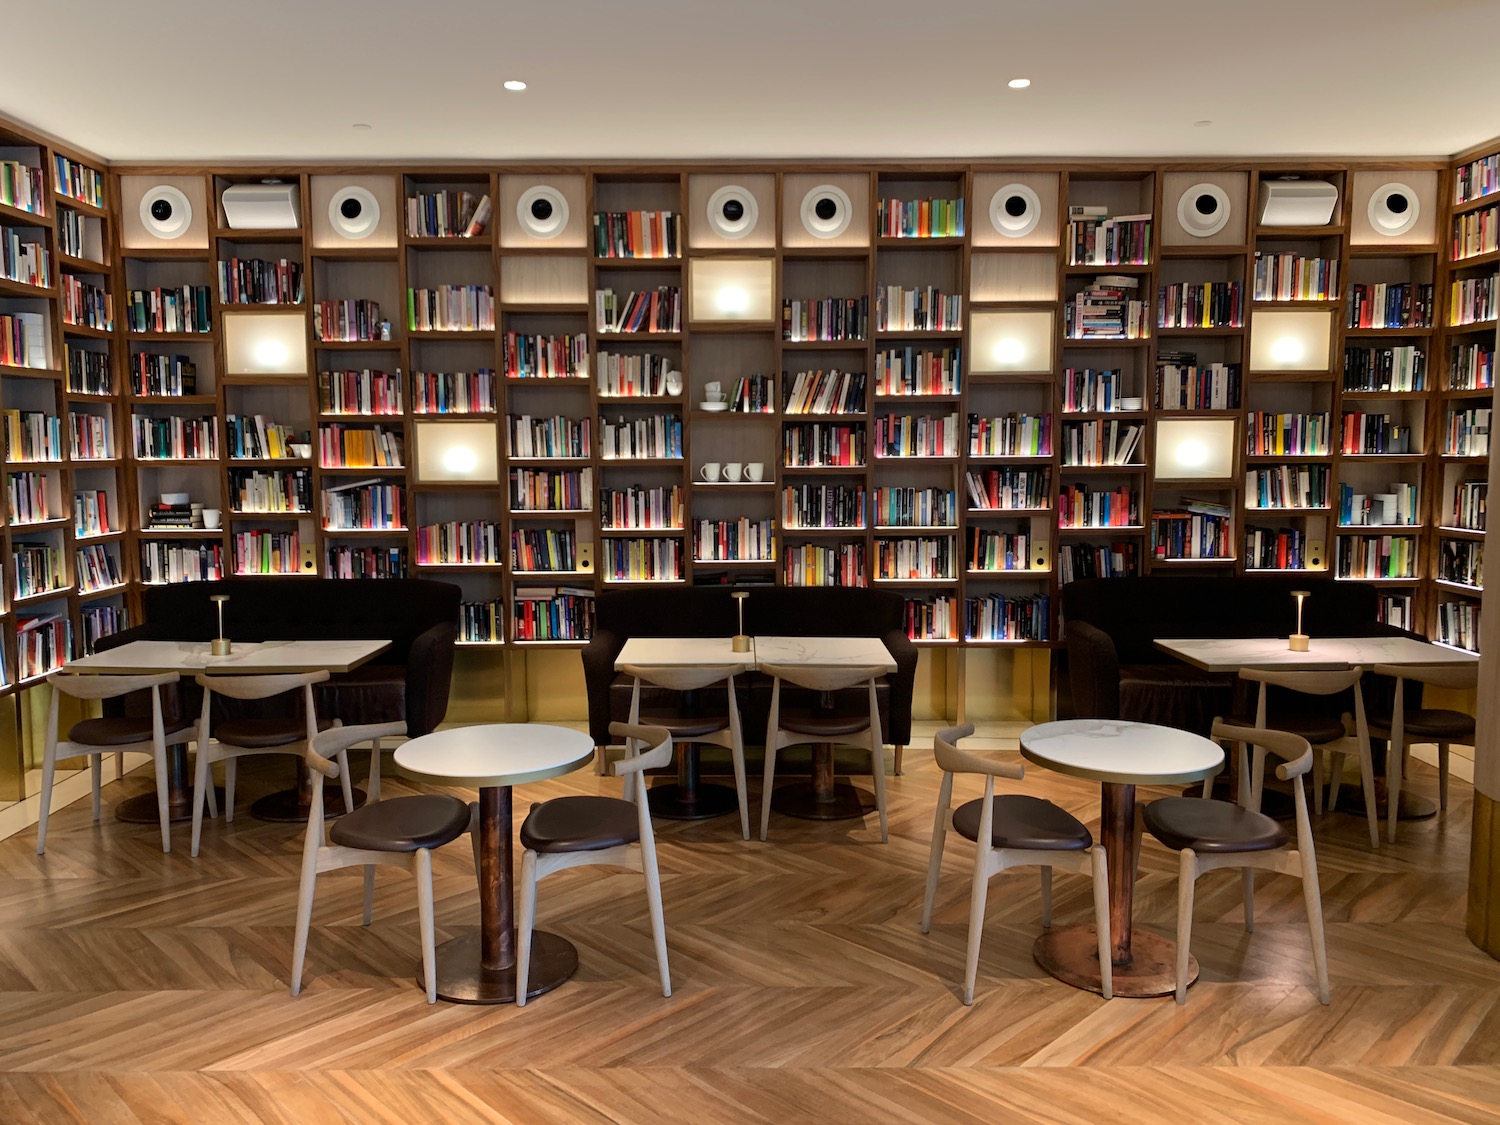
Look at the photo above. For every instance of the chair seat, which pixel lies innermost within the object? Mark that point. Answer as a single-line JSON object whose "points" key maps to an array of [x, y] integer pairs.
{"points": [[823, 724], [262, 733], [118, 731], [1212, 826], [580, 824], [1024, 822], [402, 824], [1435, 724], [1319, 730], [685, 727]]}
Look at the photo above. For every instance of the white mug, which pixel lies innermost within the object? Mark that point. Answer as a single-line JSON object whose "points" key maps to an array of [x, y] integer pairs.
{"points": [[710, 470], [755, 471], [713, 392], [674, 382], [732, 470], [211, 517]]}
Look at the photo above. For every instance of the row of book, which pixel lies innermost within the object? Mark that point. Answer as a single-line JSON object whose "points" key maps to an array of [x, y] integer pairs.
{"points": [[1010, 435], [1097, 560], [1209, 304], [658, 436], [1287, 486], [80, 236], [1395, 508], [933, 618], [1292, 277], [1368, 433], [1101, 442], [1283, 548], [38, 568], [918, 371], [925, 558], [1399, 369], [78, 181], [43, 644], [89, 372], [998, 550], [537, 549], [638, 508], [1008, 489], [372, 561], [632, 376], [1183, 385], [23, 260], [637, 234], [256, 281], [1390, 305], [91, 513], [1269, 434], [166, 562], [452, 392], [162, 376], [21, 187], [1467, 433], [915, 435], [451, 308], [1107, 309], [174, 438], [1462, 561], [1476, 233], [257, 437], [1476, 179], [1472, 300], [85, 305], [262, 551], [359, 447], [537, 490], [481, 623], [642, 560], [1377, 556], [825, 392], [547, 437], [813, 445], [270, 491], [817, 506], [995, 617], [753, 394], [919, 218], [552, 613], [1458, 624], [919, 309], [1471, 367], [31, 435], [1097, 239], [810, 564], [825, 318], [185, 308], [93, 436], [348, 321], [1469, 500], [1080, 506], [96, 622], [367, 505], [733, 540], [447, 214], [366, 391], [23, 339], [1086, 390], [1200, 529], [657, 310], [546, 357], [472, 543], [915, 507]]}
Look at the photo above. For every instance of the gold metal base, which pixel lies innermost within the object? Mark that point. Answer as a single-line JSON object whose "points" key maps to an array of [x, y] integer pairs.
{"points": [[740, 642], [1297, 642], [219, 647], [462, 979], [1071, 954]]}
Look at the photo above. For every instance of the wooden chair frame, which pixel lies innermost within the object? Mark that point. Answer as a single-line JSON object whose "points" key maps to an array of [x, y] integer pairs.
{"points": [[1459, 677]]}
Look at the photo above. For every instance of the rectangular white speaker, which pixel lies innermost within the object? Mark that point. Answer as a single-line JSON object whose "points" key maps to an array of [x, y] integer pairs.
{"points": [[586, 557], [1297, 203], [261, 207]]}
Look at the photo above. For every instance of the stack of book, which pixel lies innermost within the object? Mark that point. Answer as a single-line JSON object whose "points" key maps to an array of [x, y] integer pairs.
{"points": [[1097, 239], [1198, 529], [1109, 309]]}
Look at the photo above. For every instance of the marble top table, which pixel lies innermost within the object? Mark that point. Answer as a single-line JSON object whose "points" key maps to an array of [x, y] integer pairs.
{"points": [[481, 968], [659, 652], [1119, 755], [853, 651], [1230, 654], [245, 658]]}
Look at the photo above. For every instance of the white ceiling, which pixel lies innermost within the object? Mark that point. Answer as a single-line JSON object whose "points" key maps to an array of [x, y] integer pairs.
{"points": [[261, 80]]}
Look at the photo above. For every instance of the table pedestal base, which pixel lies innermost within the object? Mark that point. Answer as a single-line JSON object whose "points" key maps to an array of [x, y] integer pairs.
{"points": [[142, 809], [462, 979], [1410, 806], [1071, 954], [287, 807], [806, 800], [671, 803]]}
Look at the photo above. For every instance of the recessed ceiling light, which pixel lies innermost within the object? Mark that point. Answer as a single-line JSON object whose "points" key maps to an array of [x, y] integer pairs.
{"points": [[515, 84], [360, 125], [1019, 83], [1201, 124]]}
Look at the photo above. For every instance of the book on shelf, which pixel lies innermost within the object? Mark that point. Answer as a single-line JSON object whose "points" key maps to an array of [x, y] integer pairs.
{"points": [[89, 372], [367, 561], [1399, 369], [823, 444], [809, 564], [1390, 305], [366, 391], [480, 219], [824, 392], [658, 436], [921, 558], [1369, 433], [1469, 500], [163, 376], [1283, 548], [1107, 309], [1008, 489], [806, 319], [915, 507], [78, 181], [446, 214], [659, 310], [23, 339], [557, 436], [1097, 560], [638, 508], [636, 234], [546, 357], [1467, 433], [1471, 367], [255, 281], [920, 218], [473, 543], [823, 506], [1293, 277], [21, 187], [995, 617], [932, 618], [916, 435], [451, 308], [1472, 300], [1476, 179], [1010, 435], [918, 371], [1097, 239], [24, 257], [1209, 304], [1181, 384], [184, 309]]}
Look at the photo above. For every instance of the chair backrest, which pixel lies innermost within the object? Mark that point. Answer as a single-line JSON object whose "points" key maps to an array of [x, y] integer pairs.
{"points": [[260, 687], [1308, 682], [94, 686], [951, 759], [824, 677], [1456, 676], [683, 677], [1294, 750]]}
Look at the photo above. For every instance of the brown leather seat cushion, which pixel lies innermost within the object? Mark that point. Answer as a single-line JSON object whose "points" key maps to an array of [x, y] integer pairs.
{"points": [[580, 824], [825, 724], [1435, 724], [120, 731], [1211, 826], [1024, 822], [686, 727], [264, 733], [1317, 729], [402, 824]]}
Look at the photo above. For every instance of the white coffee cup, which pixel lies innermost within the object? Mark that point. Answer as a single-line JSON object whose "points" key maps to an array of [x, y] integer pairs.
{"points": [[713, 392], [755, 471], [212, 516], [710, 471], [733, 470], [674, 382]]}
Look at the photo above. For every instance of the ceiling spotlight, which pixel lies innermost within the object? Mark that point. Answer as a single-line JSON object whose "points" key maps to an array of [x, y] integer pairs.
{"points": [[1019, 83], [515, 84]]}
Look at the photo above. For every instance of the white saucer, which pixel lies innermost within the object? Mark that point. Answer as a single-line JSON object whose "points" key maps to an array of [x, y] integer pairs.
{"points": [[713, 407]]}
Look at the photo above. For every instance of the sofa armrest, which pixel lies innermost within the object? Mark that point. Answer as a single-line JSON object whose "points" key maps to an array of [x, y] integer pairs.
{"points": [[147, 632], [429, 676], [1093, 671], [599, 656], [903, 683]]}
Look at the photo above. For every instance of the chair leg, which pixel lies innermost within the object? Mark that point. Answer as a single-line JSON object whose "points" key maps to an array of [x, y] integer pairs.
{"points": [[934, 868], [119, 764], [1443, 775], [369, 892], [424, 916], [1187, 874], [1394, 769], [1247, 878], [96, 777], [1046, 871], [978, 892], [737, 757], [203, 780], [372, 782], [653, 903], [160, 756], [765, 791], [305, 889], [1367, 780], [900, 752], [525, 924], [231, 772], [1314, 900], [1101, 921], [1335, 776], [1318, 780], [877, 768], [49, 769]]}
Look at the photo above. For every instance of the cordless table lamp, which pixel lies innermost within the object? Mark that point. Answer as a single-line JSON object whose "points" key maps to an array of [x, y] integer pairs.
{"points": [[740, 642], [220, 646], [1297, 642]]}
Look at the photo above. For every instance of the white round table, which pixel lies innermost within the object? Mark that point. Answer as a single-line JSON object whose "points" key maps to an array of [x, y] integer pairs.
{"points": [[481, 968], [1119, 755]]}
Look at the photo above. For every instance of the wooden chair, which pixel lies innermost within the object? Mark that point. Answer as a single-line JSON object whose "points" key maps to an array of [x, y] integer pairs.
{"points": [[576, 831], [401, 832], [1403, 727], [1325, 734], [94, 738], [1019, 831], [715, 729], [234, 738], [1210, 834], [795, 727]]}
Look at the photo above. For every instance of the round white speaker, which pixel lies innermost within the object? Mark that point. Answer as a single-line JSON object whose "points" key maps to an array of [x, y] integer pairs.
{"points": [[1015, 210], [1203, 209], [1393, 209], [732, 211], [354, 212], [166, 212], [542, 211], [826, 211]]}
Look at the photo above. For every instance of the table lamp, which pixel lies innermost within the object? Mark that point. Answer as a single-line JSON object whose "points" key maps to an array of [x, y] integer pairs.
{"points": [[740, 642], [1297, 642], [220, 646]]}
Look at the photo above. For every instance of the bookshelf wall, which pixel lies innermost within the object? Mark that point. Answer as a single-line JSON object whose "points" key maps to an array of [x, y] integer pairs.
{"points": [[970, 383]]}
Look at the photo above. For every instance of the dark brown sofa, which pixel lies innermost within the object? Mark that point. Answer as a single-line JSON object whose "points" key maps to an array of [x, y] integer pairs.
{"points": [[769, 611]]}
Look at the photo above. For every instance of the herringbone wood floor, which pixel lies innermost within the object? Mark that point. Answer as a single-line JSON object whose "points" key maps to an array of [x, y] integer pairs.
{"points": [[141, 987]]}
